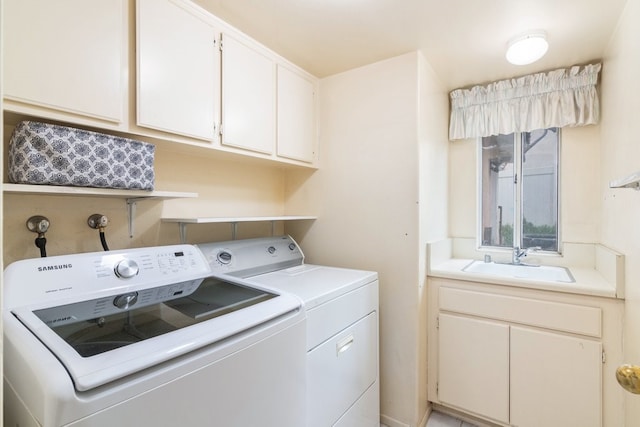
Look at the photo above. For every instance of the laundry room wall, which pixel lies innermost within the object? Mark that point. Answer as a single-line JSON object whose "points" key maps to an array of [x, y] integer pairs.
{"points": [[370, 205], [226, 187], [620, 156]]}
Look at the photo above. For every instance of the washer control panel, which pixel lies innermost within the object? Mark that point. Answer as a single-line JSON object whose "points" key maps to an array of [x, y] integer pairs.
{"points": [[85, 276]]}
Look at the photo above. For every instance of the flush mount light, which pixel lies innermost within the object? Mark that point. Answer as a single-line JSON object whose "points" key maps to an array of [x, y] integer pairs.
{"points": [[527, 48]]}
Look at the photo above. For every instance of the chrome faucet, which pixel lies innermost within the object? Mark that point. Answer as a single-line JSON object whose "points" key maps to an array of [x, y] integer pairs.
{"points": [[519, 253]]}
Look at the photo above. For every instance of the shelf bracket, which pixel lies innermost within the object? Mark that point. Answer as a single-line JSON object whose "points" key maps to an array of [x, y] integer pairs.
{"points": [[131, 213], [234, 230], [182, 227]]}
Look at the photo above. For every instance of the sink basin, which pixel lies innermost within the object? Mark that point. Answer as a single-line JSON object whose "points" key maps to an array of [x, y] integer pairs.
{"points": [[544, 273]]}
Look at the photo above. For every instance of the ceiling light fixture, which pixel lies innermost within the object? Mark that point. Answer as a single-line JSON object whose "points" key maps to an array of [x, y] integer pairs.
{"points": [[527, 48]]}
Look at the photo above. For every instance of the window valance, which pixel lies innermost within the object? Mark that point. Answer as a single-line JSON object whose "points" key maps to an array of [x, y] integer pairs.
{"points": [[565, 97]]}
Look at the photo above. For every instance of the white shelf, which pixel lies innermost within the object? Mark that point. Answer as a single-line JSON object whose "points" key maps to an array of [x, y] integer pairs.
{"points": [[182, 222], [131, 196], [631, 181], [238, 219], [54, 190]]}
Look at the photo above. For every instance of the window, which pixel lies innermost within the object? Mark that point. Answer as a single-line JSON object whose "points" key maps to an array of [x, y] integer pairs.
{"points": [[519, 185]]}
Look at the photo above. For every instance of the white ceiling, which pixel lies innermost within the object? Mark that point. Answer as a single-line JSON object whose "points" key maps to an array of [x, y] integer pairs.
{"points": [[463, 40]]}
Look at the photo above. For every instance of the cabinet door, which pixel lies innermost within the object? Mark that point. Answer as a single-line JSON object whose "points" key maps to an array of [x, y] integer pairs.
{"points": [[66, 55], [248, 97], [556, 380], [296, 116], [473, 360], [178, 69]]}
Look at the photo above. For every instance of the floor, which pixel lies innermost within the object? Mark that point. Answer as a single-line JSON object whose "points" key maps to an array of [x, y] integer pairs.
{"points": [[438, 419]]}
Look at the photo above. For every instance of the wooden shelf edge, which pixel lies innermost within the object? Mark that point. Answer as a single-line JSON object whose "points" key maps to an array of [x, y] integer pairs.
{"points": [[53, 190]]}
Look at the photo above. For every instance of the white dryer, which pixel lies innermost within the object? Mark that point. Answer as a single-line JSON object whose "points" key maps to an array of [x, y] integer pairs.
{"points": [[342, 324]]}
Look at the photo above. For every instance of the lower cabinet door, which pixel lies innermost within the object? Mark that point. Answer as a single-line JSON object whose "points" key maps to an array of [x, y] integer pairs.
{"points": [[556, 380], [473, 361]]}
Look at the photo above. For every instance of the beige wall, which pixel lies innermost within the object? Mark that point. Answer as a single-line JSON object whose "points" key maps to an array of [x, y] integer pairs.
{"points": [[225, 188], [620, 127], [375, 134], [580, 199]]}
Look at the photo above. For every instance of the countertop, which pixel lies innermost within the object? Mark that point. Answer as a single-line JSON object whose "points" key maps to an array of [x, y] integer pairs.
{"points": [[587, 281]]}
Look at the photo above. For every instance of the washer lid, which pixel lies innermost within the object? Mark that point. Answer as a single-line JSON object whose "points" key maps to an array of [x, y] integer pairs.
{"points": [[98, 341]]}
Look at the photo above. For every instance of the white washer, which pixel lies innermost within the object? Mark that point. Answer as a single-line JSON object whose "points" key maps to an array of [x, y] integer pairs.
{"points": [[148, 337], [342, 324]]}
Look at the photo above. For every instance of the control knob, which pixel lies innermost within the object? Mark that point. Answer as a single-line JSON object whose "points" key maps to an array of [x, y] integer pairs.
{"points": [[224, 257], [126, 268], [125, 301]]}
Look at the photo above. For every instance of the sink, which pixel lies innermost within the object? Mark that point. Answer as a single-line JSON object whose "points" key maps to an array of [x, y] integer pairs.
{"points": [[544, 273]]}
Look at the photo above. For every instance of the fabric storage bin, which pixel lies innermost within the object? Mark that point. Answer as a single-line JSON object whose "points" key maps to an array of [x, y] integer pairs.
{"points": [[41, 153]]}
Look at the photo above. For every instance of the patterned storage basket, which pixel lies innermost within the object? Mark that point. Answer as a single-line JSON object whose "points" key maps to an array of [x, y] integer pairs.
{"points": [[42, 153]]}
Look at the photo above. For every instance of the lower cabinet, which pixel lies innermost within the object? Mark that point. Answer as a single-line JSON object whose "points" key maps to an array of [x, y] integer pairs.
{"points": [[474, 366], [555, 379], [523, 361]]}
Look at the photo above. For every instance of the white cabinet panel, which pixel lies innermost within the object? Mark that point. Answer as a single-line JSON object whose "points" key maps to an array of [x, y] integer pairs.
{"points": [[474, 365], [66, 55], [178, 69], [340, 370], [296, 116], [248, 97], [555, 380]]}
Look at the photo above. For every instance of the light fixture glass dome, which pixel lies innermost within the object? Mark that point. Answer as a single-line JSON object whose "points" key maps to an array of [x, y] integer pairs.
{"points": [[527, 48]]}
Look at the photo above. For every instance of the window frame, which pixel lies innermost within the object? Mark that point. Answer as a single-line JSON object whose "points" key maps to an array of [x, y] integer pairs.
{"points": [[518, 224]]}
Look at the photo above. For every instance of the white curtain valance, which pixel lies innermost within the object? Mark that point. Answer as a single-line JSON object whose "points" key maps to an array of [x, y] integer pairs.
{"points": [[565, 97]]}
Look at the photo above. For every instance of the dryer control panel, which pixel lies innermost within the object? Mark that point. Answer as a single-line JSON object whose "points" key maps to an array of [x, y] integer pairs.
{"points": [[244, 258]]}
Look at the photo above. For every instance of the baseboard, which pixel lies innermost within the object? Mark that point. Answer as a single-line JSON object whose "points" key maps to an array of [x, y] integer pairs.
{"points": [[390, 422]]}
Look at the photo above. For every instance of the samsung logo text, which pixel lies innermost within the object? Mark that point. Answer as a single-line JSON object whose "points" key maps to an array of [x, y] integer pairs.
{"points": [[55, 267]]}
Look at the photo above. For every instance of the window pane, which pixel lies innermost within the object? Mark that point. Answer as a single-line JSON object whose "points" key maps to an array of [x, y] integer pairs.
{"points": [[497, 190], [539, 189]]}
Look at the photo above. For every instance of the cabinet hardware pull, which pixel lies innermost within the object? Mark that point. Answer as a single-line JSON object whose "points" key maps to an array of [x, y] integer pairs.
{"points": [[344, 344]]}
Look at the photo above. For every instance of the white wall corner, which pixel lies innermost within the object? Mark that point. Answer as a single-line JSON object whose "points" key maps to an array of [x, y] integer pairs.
{"points": [[437, 252], [611, 265]]}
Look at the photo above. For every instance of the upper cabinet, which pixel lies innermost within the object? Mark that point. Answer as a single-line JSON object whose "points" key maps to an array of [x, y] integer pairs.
{"points": [[296, 115], [67, 56], [267, 106], [248, 96], [178, 70], [163, 69]]}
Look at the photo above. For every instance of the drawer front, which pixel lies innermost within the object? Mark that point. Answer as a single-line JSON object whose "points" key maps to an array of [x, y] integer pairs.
{"points": [[366, 411], [577, 319], [340, 370], [333, 316]]}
